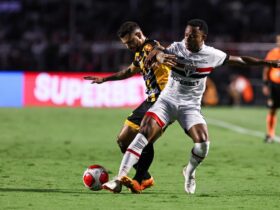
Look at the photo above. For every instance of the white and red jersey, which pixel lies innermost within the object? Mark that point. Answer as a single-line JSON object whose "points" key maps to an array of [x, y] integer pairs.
{"points": [[187, 80]]}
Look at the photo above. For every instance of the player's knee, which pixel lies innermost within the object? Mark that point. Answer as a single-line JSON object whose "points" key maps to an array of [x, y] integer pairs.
{"points": [[125, 137], [198, 133], [122, 145], [144, 128], [145, 132], [151, 135], [201, 137], [150, 130]]}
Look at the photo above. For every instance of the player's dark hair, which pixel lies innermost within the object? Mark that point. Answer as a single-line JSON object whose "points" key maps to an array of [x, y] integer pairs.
{"points": [[199, 23], [127, 28]]}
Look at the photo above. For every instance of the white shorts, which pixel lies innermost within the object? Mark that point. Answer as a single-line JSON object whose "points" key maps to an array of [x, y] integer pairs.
{"points": [[166, 111]]}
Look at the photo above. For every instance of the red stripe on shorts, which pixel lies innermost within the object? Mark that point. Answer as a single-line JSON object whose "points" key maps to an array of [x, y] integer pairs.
{"points": [[133, 152], [156, 118]]}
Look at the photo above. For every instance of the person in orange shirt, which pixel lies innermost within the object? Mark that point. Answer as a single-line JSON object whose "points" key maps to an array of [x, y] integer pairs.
{"points": [[240, 90], [271, 89]]}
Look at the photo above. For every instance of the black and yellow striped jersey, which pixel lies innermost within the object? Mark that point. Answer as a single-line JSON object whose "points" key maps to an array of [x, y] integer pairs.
{"points": [[155, 77]]}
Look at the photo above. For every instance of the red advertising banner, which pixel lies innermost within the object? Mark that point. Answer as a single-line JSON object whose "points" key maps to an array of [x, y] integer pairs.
{"points": [[70, 89]]}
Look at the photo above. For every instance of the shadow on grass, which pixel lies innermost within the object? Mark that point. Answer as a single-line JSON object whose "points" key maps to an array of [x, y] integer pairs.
{"points": [[101, 192], [28, 190], [127, 193], [124, 192]]}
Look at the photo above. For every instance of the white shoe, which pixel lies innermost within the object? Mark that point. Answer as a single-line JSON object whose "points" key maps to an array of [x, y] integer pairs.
{"points": [[114, 186], [190, 184]]}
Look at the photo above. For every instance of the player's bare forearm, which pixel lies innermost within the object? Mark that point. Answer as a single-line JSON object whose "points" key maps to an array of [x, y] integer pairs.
{"points": [[251, 61], [124, 74]]}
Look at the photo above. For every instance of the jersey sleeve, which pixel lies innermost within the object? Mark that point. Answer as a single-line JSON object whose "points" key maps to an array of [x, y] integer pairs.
{"points": [[171, 49], [219, 57]]}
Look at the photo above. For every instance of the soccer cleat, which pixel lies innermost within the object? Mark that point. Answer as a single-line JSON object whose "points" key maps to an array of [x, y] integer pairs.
{"points": [[114, 186], [190, 184], [268, 139], [147, 183], [131, 184]]}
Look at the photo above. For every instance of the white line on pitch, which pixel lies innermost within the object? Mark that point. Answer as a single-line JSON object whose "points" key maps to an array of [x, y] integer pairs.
{"points": [[238, 129]]}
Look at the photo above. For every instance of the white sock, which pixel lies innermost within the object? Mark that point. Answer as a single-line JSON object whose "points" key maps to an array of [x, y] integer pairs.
{"points": [[132, 154], [198, 153]]}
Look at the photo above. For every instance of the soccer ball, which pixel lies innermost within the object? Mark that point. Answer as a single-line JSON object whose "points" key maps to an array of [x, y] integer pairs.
{"points": [[94, 176]]}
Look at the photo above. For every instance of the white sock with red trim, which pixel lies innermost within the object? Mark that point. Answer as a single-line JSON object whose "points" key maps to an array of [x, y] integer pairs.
{"points": [[132, 154], [198, 153]]}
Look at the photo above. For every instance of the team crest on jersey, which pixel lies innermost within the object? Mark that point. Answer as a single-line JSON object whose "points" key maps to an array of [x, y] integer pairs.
{"points": [[190, 68], [148, 47]]}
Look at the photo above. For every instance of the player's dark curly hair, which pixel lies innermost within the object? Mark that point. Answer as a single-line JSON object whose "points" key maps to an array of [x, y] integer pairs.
{"points": [[199, 23], [127, 28]]}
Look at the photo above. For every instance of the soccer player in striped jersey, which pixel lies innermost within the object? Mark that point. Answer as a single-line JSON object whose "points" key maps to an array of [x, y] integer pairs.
{"points": [[271, 89], [155, 78], [192, 61]]}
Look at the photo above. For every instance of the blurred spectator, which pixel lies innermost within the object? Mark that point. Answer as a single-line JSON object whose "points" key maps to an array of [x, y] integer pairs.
{"points": [[240, 90], [210, 96], [59, 35]]}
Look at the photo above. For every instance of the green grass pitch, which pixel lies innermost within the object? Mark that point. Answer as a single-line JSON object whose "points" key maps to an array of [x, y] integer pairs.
{"points": [[44, 151]]}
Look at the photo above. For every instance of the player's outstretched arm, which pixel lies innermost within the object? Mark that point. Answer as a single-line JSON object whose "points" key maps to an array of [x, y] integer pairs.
{"points": [[251, 61], [94, 79], [124, 74]]}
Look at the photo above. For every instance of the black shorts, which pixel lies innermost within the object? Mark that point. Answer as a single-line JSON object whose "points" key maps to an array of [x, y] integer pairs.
{"points": [[134, 120], [274, 97]]}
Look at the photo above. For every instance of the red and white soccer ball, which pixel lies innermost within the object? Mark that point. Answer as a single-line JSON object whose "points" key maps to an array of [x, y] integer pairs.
{"points": [[94, 176]]}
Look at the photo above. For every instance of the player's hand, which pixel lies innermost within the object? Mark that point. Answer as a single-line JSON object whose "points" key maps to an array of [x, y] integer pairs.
{"points": [[167, 59], [150, 59], [94, 79]]}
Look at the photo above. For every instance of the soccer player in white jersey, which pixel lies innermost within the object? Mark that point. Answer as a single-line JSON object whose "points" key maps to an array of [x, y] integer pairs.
{"points": [[191, 62]]}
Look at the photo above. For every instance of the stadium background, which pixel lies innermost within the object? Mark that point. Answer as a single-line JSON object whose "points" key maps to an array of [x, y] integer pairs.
{"points": [[80, 36]]}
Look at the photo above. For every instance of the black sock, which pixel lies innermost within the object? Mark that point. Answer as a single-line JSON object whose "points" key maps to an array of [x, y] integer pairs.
{"points": [[144, 163]]}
